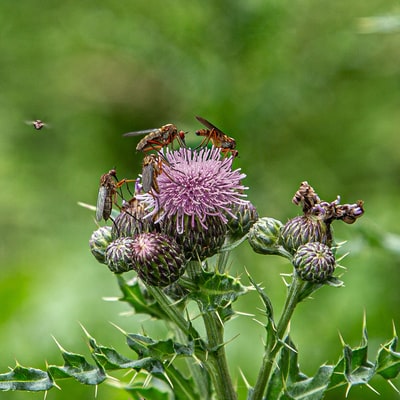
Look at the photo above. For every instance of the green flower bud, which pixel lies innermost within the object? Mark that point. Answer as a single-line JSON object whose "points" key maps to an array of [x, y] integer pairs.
{"points": [[264, 236], [199, 240], [246, 215], [314, 262], [119, 255], [99, 241], [157, 259], [305, 229]]}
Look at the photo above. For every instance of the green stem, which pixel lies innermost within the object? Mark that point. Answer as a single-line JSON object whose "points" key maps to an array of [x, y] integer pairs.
{"points": [[171, 310], [274, 341], [198, 372], [221, 377], [216, 363]]}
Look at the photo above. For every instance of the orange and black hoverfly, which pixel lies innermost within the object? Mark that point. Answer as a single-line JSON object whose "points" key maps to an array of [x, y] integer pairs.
{"points": [[218, 138], [156, 139]]}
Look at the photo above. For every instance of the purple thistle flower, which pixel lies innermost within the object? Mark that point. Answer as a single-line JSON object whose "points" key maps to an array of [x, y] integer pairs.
{"points": [[195, 184]]}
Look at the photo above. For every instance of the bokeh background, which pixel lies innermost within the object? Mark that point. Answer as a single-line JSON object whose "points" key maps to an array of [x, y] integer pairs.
{"points": [[309, 89]]}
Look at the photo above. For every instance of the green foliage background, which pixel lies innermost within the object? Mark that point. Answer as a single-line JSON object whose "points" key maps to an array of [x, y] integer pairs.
{"points": [[310, 91]]}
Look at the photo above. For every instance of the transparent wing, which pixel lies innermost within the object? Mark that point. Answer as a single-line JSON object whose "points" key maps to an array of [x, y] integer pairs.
{"points": [[101, 199], [140, 133]]}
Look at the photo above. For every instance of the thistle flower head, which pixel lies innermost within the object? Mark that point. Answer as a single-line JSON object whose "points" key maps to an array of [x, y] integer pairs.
{"points": [[314, 262], [157, 258], [264, 236], [118, 255], [99, 241], [245, 216], [196, 184]]}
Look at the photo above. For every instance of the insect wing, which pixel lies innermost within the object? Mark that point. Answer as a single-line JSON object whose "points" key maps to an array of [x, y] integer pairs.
{"points": [[208, 124], [140, 133], [147, 177], [101, 201]]}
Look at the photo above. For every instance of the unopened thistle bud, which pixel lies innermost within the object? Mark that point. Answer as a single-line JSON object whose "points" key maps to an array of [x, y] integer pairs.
{"points": [[246, 215], [314, 262], [264, 236], [304, 229], [130, 221], [99, 241], [157, 259], [118, 255]]}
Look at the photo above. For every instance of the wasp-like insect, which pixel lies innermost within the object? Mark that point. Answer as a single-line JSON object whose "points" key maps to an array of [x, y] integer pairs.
{"points": [[37, 124], [152, 167], [218, 138], [109, 185], [156, 139]]}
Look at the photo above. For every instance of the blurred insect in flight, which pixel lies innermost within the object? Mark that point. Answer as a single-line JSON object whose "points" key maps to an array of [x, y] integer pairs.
{"points": [[109, 185], [158, 138], [37, 124], [218, 138]]}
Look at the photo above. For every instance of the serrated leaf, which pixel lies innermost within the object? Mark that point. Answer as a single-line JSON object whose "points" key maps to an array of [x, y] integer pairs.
{"points": [[286, 372], [353, 368], [21, 378], [358, 370], [216, 291], [110, 359], [388, 360], [184, 388], [136, 295], [269, 311], [312, 388], [160, 349], [148, 392], [78, 368]]}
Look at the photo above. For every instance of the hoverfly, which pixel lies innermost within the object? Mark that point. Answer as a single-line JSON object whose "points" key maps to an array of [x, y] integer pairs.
{"points": [[156, 139], [109, 185], [37, 124], [218, 138]]}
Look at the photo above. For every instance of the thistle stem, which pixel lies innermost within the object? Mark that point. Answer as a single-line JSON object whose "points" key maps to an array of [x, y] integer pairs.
{"points": [[171, 310], [216, 362], [198, 372], [220, 373], [274, 341]]}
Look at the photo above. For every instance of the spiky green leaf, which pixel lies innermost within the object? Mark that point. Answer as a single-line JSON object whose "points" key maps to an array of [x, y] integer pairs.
{"points": [[21, 378], [148, 392], [388, 361], [160, 349], [184, 388], [269, 311], [216, 292], [110, 359], [137, 296], [75, 366]]}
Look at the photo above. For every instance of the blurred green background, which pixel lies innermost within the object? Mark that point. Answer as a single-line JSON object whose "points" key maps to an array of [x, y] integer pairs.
{"points": [[309, 89]]}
